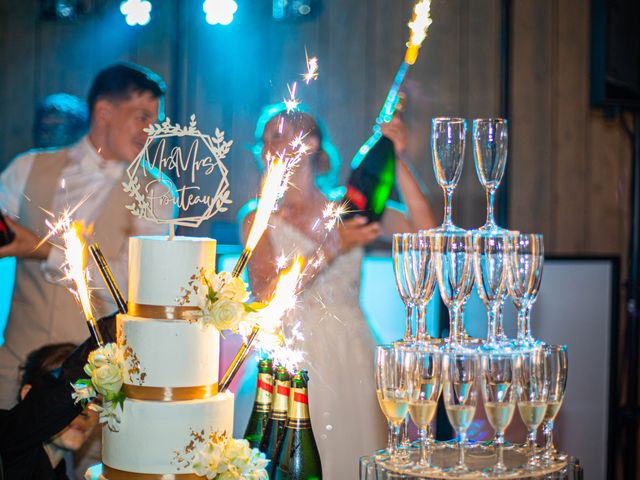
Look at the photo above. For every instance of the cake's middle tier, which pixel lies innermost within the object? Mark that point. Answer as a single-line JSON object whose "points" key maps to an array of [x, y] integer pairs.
{"points": [[169, 354]]}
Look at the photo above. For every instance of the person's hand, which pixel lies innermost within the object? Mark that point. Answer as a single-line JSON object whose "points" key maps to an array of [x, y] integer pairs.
{"points": [[396, 131], [25, 244], [356, 232]]}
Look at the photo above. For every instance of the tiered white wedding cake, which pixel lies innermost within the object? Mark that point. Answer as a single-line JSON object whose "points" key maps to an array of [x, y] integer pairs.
{"points": [[171, 364]]}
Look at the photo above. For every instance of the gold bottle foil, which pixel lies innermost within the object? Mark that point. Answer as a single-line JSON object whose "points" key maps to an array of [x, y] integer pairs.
{"points": [[280, 400], [298, 414], [264, 393]]}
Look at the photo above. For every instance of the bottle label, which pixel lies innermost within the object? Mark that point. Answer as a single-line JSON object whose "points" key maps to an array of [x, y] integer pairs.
{"points": [[264, 393], [299, 409], [356, 197], [280, 400]]}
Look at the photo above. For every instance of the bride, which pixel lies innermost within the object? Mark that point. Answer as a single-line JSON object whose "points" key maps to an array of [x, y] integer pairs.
{"points": [[338, 344]]}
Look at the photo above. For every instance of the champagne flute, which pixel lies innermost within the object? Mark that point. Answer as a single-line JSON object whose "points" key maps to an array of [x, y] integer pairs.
{"points": [[489, 261], [460, 373], [524, 273], [454, 271], [499, 396], [490, 141], [391, 376], [428, 287], [448, 137], [405, 278], [557, 361], [533, 393], [424, 392]]}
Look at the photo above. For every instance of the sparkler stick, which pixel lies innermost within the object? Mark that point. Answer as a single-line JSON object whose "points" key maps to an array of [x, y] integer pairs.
{"points": [[283, 299], [75, 270], [108, 278]]}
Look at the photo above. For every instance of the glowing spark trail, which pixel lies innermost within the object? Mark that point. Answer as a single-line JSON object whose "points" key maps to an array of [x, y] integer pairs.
{"points": [[292, 102], [312, 68]]}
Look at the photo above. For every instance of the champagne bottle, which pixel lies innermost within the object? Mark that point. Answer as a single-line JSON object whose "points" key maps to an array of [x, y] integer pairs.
{"points": [[299, 458], [277, 424], [6, 234], [262, 406], [373, 170]]}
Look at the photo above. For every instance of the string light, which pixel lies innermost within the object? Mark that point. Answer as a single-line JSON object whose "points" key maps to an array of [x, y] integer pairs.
{"points": [[219, 11], [136, 12]]}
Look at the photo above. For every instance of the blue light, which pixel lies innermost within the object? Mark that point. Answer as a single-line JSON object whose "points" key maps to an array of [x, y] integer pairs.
{"points": [[219, 11], [136, 12]]}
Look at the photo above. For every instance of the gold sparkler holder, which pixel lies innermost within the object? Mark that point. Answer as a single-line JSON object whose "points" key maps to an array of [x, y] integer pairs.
{"points": [[108, 278], [239, 359]]}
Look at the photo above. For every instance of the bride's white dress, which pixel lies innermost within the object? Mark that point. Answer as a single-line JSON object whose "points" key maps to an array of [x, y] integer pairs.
{"points": [[346, 419]]}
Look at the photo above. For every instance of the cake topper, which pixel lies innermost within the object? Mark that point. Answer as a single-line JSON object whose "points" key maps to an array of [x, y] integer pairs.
{"points": [[161, 157]]}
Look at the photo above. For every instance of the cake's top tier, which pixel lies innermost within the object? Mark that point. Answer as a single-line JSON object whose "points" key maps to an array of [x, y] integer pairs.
{"points": [[160, 268]]}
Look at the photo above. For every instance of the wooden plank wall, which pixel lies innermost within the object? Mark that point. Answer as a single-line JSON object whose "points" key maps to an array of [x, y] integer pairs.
{"points": [[569, 164]]}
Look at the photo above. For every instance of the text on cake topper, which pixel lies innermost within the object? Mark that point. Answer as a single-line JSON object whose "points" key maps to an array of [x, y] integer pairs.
{"points": [[149, 175]]}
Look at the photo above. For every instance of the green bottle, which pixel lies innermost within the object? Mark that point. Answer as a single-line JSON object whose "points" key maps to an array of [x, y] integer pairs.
{"points": [[299, 458], [274, 431], [262, 406]]}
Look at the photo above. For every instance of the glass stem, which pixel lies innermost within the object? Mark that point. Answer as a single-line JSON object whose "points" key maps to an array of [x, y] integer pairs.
{"points": [[549, 448], [522, 323], [500, 326], [453, 325], [404, 440], [461, 442], [462, 333], [491, 223], [492, 328], [390, 438], [421, 323], [527, 324], [531, 440], [448, 193], [393, 446], [424, 461], [499, 443], [408, 329]]}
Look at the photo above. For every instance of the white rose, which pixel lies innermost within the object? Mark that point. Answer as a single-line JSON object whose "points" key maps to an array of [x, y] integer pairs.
{"points": [[207, 462], [107, 379], [235, 289], [225, 314]]}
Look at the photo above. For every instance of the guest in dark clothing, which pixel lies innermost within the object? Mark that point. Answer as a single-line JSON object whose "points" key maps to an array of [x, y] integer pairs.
{"points": [[46, 423]]}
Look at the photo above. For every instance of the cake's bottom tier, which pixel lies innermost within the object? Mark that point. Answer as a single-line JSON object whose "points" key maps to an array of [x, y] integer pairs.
{"points": [[162, 437]]}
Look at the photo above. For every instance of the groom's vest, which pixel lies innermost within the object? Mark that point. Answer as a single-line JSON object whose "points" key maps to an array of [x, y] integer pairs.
{"points": [[43, 312]]}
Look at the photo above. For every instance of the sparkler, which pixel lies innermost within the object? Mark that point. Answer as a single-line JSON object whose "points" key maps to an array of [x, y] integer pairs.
{"points": [[75, 270], [270, 317], [275, 184], [292, 102]]}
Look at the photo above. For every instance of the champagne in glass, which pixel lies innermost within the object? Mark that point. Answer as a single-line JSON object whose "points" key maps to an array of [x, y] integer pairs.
{"points": [[424, 392], [532, 376], [490, 142], [524, 274], [460, 374], [557, 361], [392, 366], [499, 395], [454, 271], [448, 137]]}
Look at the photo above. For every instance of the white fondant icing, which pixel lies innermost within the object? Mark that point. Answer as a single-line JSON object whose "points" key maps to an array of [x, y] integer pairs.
{"points": [[170, 353], [151, 433], [159, 268]]}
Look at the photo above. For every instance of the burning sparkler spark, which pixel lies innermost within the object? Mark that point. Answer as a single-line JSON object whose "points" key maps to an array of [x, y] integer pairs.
{"points": [[75, 269], [292, 102], [418, 25], [312, 68]]}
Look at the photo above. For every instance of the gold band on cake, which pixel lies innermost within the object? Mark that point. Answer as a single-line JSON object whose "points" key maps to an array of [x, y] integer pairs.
{"points": [[115, 474], [159, 311], [170, 394]]}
